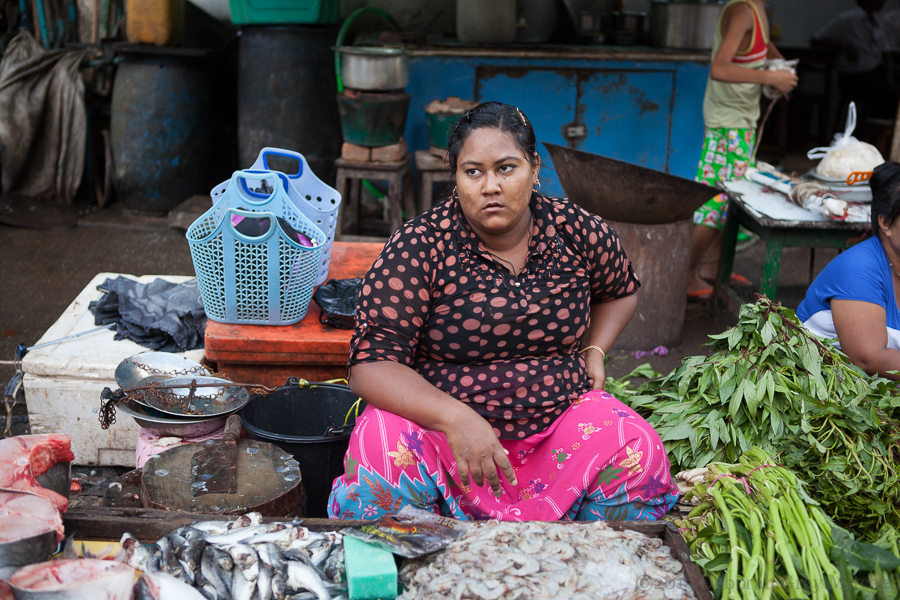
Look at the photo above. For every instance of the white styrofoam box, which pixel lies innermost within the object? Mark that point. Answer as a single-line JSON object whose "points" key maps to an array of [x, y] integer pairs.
{"points": [[63, 381]]}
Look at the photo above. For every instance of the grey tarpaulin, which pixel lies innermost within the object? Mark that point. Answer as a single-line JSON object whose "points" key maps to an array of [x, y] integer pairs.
{"points": [[43, 124], [160, 315]]}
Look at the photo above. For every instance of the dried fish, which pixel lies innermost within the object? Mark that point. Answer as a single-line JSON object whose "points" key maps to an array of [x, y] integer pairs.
{"points": [[240, 534], [318, 551], [223, 560], [282, 538], [302, 577], [245, 560], [209, 567], [279, 585], [193, 548], [162, 586], [136, 554], [241, 587], [264, 582], [334, 564], [495, 560]]}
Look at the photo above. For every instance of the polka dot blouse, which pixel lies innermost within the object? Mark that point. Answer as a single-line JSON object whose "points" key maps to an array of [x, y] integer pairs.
{"points": [[435, 300]]}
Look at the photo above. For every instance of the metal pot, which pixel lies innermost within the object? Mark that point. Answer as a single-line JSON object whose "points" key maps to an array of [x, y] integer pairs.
{"points": [[687, 25], [373, 68], [625, 28]]}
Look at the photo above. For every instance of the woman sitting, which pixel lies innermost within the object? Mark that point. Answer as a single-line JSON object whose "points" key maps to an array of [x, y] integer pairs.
{"points": [[856, 296], [466, 349]]}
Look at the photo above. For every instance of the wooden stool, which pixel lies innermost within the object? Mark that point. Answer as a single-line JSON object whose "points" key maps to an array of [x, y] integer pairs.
{"points": [[432, 170], [398, 174]]}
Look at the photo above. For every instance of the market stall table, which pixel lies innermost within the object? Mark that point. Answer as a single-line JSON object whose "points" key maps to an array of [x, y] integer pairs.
{"points": [[780, 224], [269, 355]]}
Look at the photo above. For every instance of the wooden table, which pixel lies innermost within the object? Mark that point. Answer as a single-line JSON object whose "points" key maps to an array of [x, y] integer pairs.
{"points": [[148, 525], [268, 355], [777, 235]]}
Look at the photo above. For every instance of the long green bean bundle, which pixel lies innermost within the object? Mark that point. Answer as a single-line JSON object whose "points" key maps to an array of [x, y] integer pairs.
{"points": [[770, 383], [756, 533]]}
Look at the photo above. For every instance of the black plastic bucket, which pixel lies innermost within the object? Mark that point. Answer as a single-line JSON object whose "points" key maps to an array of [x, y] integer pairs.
{"points": [[307, 422]]}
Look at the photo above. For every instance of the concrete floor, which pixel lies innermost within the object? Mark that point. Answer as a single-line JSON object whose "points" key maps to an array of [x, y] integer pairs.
{"points": [[42, 271]]}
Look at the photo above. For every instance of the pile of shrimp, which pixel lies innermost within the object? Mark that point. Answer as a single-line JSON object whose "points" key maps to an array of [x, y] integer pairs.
{"points": [[581, 561]]}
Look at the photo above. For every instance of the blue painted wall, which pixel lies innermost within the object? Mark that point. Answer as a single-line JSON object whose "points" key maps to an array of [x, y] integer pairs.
{"points": [[646, 113]]}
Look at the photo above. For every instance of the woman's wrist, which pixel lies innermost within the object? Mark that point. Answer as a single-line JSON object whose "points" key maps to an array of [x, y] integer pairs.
{"points": [[596, 348]]}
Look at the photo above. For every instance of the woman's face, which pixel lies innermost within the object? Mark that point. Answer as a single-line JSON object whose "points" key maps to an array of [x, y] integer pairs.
{"points": [[890, 235], [494, 181]]}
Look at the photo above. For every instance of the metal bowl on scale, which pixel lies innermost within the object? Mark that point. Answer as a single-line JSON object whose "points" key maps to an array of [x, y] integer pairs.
{"points": [[165, 425]]}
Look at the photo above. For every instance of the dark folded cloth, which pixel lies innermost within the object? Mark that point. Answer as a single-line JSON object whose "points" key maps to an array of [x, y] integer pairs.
{"points": [[160, 315]]}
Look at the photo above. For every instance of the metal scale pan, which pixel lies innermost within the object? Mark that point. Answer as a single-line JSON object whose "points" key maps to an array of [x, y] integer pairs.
{"points": [[146, 367], [173, 409], [209, 401]]}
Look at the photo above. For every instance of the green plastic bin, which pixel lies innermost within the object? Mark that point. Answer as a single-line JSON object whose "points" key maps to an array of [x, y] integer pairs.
{"points": [[283, 12]]}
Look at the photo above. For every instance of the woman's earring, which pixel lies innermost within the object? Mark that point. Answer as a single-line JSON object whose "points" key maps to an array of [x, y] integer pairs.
{"points": [[455, 193], [538, 188]]}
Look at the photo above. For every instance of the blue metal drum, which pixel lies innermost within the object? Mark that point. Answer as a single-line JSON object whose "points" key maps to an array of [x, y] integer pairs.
{"points": [[160, 129]]}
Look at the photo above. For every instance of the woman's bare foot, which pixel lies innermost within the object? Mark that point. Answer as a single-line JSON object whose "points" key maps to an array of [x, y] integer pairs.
{"points": [[698, 288]]}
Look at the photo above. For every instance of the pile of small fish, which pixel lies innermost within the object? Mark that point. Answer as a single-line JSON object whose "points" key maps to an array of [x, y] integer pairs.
{"points": [[507, 560], [245, 559]]}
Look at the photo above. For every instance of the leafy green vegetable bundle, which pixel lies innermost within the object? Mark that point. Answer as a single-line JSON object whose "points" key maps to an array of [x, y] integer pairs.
{"points": [[770, 383]]}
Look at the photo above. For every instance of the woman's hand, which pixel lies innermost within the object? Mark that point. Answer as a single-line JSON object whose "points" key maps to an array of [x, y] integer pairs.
{"points": [[398, 389], [596, 368], [477, 451]]}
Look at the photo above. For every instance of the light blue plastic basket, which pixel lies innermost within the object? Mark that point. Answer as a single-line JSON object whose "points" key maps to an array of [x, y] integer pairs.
{"points": [[318, 201], [263, 280]]}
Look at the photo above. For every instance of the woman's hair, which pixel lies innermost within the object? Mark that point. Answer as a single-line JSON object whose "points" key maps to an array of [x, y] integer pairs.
{"points": [[885, 184], [494, 115]]}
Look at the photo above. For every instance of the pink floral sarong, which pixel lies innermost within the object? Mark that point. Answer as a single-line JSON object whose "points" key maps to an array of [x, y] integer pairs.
{"points": [[598, 461]]}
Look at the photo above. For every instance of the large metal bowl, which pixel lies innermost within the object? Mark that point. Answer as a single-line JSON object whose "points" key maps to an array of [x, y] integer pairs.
{"points": [[373, 68], [623, 192], [27, 551], [165, 425]]}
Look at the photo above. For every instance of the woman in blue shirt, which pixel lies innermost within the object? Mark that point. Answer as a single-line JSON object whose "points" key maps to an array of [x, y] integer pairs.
{"points": [[856, 297]]}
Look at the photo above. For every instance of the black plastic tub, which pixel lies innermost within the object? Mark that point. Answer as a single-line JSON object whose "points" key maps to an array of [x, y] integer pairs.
{"points": [[307, 422]]}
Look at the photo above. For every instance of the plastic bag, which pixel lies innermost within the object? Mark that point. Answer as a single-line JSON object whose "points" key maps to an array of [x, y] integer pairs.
{"points": [[337, 299], [410, 533], [846, 154], [778, 64]]}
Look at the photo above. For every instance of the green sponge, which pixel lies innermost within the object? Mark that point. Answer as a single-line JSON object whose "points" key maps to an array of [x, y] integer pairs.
{"points": [[371, 570]]}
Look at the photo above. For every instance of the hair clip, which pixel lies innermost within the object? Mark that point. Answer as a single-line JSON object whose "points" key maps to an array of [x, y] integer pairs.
{"points": [[521, 116]]}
